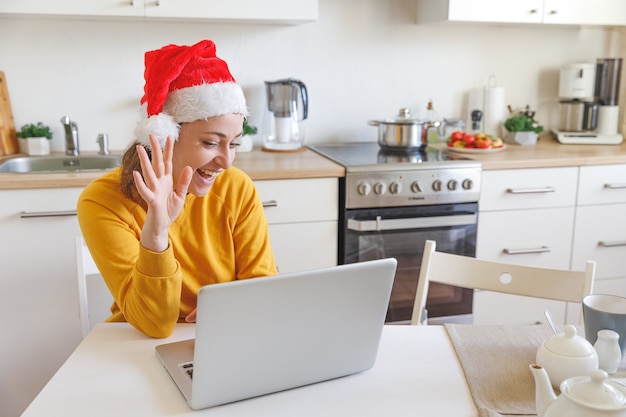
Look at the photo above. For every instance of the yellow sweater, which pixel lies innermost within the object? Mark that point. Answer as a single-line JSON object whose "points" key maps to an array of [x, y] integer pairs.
{"points": [[220, 237]]}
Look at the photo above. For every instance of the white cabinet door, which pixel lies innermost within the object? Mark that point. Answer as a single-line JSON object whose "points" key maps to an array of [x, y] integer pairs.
{"points": [[303, 217], [525, 11], [235, 10], [488, 11], [75, 7], [554, 12], [585, 12], [304, 246], [246, 10], [38, 290]]}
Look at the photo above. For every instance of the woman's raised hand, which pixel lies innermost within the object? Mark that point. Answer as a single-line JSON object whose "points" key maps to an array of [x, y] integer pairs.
{"points": [[156, 187]]}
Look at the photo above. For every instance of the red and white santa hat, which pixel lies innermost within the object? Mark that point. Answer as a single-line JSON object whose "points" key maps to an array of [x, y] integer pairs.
{"points": [[185, 84]]}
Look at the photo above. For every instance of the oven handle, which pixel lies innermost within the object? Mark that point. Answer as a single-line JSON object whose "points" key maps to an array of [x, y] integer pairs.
{"points": [[411, 223]]}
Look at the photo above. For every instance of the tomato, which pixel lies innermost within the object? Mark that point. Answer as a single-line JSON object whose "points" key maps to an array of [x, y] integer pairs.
{"points": [[457, 135], [483, 143], [469, 140]]}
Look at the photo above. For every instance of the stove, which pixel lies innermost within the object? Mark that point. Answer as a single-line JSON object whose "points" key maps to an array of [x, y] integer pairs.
{"points": [[381, 178], [390, 203]]}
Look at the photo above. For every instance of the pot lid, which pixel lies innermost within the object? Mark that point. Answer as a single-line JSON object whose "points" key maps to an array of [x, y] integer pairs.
{"points": [[569, 344], [594, 391], [404, 117]]}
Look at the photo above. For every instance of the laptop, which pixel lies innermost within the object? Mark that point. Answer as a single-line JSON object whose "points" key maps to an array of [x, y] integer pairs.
{"points": [[265, 335]]}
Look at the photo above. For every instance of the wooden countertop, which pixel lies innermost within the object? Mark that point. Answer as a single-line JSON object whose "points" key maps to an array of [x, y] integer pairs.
{"points": [[259, 165], [549, 153]]}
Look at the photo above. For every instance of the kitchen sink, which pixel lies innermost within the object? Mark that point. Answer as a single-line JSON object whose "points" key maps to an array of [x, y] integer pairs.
{"points": [[60, 163]]}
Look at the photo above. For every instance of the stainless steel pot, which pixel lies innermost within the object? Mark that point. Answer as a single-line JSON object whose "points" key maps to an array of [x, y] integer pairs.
{"points": [[403, 132]]}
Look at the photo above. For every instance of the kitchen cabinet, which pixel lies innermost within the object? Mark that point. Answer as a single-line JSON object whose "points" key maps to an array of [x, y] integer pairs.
{"points": [[554, 12], [526, 217], [599, 230], [303, 221], [38, 290], [271, 11]]}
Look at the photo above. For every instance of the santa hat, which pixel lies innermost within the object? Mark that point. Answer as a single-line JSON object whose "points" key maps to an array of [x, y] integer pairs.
{"points": [[185, 84]]}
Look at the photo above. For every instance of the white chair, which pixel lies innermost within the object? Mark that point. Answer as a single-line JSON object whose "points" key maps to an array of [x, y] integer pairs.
{"points": [[467, 272], [94, 298]]}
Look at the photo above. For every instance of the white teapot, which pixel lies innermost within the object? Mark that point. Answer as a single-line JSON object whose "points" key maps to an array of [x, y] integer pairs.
{"points": [[566, 355], [581, 396]]}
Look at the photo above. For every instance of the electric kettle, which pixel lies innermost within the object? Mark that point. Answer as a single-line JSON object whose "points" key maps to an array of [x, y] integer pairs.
{"points": [[287, 108]]}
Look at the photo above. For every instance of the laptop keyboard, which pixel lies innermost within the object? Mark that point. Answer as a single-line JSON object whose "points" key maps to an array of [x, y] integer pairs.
{"points": [[187, 369]]}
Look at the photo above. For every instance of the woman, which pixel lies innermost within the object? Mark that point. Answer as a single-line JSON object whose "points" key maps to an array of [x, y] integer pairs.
{"points": [[176, 215]]}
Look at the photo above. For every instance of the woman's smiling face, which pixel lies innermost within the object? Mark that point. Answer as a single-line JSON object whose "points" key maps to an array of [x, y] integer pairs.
{"points": [[208, 147]]}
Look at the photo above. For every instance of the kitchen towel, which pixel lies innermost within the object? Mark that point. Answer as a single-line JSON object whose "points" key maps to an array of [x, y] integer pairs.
{"points": [[495, 360]]}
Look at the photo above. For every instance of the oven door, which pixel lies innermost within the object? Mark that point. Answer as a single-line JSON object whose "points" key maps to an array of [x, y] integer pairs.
{"points": [[400, 233]]}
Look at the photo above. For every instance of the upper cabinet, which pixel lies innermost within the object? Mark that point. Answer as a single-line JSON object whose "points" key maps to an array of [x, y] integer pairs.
{"points": [[553, 12], [270, 11]]}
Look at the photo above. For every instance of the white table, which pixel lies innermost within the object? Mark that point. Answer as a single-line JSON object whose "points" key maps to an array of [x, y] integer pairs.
{"points": [[115, 372]]}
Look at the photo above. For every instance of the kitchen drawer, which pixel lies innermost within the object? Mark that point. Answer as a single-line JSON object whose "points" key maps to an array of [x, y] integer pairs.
{"points": [[528, 188], [525, 230], [301, 200], [602, 184], [600, 235]]}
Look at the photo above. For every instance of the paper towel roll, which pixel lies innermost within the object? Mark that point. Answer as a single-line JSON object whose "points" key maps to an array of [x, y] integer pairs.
{"points": [[494, 110]]}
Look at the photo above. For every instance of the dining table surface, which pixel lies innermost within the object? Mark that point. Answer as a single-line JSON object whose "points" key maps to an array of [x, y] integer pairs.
{"points": [[455, 370], [115, 372]]}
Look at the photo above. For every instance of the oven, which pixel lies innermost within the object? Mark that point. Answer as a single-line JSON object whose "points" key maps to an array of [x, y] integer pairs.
{"points": [[390, 204]]}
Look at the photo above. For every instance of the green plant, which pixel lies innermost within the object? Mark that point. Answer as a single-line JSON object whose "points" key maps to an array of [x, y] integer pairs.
{"points": [[522, 122], [247, 129], [38, 130]]}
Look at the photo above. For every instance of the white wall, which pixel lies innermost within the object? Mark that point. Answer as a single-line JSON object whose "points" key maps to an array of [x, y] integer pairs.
{"points": [[362, 60]]}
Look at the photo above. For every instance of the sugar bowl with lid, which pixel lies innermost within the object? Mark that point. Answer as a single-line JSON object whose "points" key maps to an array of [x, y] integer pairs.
{"points": [[566, 355]]}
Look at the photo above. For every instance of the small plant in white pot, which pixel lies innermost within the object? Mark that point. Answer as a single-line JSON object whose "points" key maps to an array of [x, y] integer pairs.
{"points": [[522, 128], [35, 139]]}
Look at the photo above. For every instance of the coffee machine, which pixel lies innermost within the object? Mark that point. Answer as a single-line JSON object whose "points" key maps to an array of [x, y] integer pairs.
{"points": [[589, 111], [287, 108]]}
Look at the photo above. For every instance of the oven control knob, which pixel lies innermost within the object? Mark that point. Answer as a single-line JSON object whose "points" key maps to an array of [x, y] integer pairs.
{"points": [[437, 185], [467, 184], [415, 187], [380, 188], [364, 188], [395, 188], [452, 184]]}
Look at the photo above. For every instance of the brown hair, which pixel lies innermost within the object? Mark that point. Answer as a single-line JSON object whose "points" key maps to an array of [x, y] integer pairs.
{"points": [[130, 163]]}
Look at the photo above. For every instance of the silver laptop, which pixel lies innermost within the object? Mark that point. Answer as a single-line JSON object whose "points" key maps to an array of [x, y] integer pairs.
{"points": [[264, 335]]}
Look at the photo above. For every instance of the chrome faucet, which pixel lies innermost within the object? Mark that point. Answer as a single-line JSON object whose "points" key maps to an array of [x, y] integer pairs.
{"points": [[71, 136]]}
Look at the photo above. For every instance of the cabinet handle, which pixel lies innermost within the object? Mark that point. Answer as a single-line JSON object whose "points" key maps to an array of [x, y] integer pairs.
{"points": [[615, 186], [552, 12], [33, 214], [529, 250], [533, 11], [613, 243], [271, 203], [530, 190]]}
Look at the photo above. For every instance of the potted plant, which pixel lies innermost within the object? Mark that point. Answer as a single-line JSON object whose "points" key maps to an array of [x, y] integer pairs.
{"points": [[522, 128], [35, 139], [246, 137]]}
